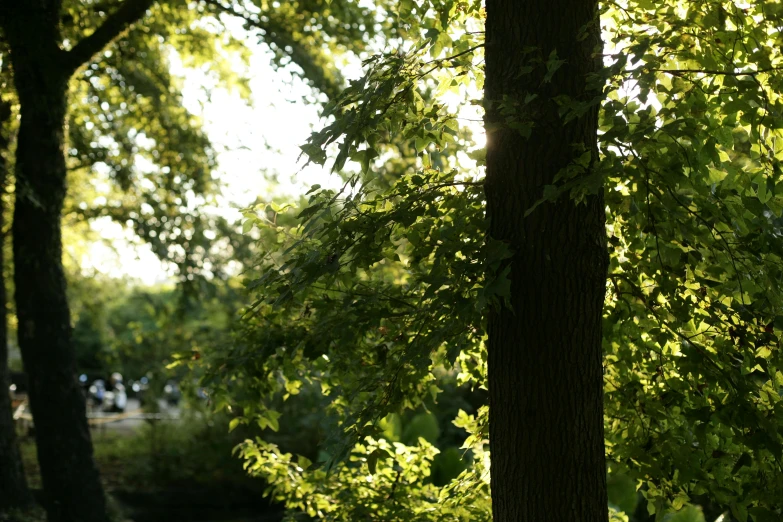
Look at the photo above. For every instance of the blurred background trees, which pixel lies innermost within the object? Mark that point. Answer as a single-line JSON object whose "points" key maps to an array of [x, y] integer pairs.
{"points": [[135, 155]]}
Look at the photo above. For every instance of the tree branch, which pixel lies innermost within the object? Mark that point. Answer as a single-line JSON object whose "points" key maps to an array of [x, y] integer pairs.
{"points": [[115, 24], [314, 72], [679, 72]]}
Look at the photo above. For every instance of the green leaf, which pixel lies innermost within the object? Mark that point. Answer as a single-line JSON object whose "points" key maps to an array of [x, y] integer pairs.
{"points": [[374, 456], [552, 65], [687, 514]]}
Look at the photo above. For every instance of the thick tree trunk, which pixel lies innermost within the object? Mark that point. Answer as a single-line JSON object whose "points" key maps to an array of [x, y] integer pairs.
{"points": [[70, 479], [545, 364], [13, 485]]}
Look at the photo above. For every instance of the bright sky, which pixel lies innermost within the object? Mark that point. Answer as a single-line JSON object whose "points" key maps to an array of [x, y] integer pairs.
{"points": [[255, 142]]}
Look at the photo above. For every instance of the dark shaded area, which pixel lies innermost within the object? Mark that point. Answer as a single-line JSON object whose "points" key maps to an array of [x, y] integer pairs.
{"points": [[13, 485], [196, 503]]}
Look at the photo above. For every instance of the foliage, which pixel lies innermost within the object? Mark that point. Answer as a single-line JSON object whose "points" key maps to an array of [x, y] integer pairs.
{"points": [[311, 35], [139, 331], [165, 455], [168, 456], [34, 514], [145, 153], [389, 492], [375, 254], [380, 286], [692, 329], [143, 160]]}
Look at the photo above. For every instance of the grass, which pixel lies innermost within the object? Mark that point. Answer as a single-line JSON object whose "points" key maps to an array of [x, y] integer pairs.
{"points": [[175, 471], [160, 456], [165, 463], [110, 450], [34, 514]]}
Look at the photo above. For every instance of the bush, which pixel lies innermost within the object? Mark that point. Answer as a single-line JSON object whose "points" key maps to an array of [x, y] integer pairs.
{"points": [[197, 450]]}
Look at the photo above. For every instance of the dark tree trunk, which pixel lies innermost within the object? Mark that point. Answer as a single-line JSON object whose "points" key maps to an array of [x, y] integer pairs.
{"points": [[545, 363], [13, 485], [72, 488]]}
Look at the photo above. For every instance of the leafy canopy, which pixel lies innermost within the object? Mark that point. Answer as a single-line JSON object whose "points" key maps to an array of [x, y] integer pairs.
{"points": [[136, 155], [380, 287]]}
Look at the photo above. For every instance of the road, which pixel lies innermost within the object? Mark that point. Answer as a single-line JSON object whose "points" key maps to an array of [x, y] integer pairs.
{"points": [[126, 422], [132, 418]]}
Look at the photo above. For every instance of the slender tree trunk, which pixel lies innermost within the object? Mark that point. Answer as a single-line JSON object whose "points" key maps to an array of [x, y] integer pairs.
{"points": [[70, 478], [13, 485], [545, 364]]}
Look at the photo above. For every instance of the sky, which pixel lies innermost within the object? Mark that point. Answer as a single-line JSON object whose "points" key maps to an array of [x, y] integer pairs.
{"points": [[255, 142]]}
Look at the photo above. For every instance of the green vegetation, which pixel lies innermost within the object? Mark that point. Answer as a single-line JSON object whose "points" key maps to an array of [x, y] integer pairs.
{"points": [[578, 319], [159, 460], [382, 285], [162, 456]]}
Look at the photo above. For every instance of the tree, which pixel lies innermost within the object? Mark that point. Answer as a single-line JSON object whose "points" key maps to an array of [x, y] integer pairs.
{"points": [[385, 285], [692, 334], [13, 483], [41, 73], [102, 137], [42, 66], [545, 362]]}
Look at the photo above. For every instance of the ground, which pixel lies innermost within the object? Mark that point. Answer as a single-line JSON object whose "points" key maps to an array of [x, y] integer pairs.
{"points": [[177, 470]]}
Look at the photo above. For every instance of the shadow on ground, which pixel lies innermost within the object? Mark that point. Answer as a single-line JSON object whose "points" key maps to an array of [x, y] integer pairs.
{"points": [[196, 505]]}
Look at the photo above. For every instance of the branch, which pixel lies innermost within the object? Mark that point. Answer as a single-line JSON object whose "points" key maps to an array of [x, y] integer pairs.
{"points": [[115, 24], [678, 72], [300, 54], [448, 59]]}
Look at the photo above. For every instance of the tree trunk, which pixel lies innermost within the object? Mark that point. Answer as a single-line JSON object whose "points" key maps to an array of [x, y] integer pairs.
{"points": [[70, 478], [545, 363], [13, 485]]}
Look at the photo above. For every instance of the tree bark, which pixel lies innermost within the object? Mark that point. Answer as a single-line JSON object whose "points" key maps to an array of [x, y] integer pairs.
{"points": [[72, 489], [13, 484], [545, 361]]}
